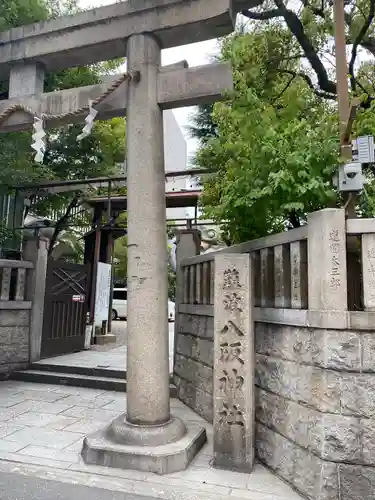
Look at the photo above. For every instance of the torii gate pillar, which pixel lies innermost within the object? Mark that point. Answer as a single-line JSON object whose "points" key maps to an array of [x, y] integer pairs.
{"points": [[147, 437]]}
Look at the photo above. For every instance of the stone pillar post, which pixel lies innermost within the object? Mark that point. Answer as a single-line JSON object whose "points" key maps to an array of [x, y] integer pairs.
{"points": [[36, 251], [147, 352], [147, 437], [187, 245], [368, 271], [327, 260], [234, 364]]}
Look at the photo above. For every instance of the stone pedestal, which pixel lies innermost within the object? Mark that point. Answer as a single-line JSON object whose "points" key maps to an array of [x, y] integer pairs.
{"points": [[147, 437]]}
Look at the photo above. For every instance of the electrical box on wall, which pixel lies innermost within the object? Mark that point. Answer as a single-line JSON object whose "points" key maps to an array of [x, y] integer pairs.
{"points": [[350, 177]]}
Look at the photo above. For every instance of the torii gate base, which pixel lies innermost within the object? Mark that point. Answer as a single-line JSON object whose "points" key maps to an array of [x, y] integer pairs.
{"points": [[147, 437], [174, 456]]}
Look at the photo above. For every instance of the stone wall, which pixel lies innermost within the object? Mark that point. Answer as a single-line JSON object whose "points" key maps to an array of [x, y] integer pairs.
{"points": [[14, 340], [193, 363], [315, 409]]}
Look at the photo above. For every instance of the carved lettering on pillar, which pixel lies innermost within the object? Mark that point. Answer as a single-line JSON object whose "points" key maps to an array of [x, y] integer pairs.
{"points": [[231, 352], [278, 275], [371, 272], [233, 380], [231, 328], [231, 415], [368, 271], [233, 301], [335, 248], [296, 277], [231, 278]]}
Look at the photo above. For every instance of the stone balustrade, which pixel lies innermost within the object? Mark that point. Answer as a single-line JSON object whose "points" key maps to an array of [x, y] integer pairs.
{"points": [[312, 300], [15, 309], [13, 280]]}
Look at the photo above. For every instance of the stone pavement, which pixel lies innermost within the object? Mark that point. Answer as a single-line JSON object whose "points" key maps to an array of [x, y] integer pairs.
{"points": [[41, 432], [112, 357], [23, 487]]}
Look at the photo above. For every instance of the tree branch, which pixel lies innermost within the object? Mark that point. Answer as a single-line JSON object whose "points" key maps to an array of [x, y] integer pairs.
{"points": [[296, 27], [358, 41], [262, 16], [60, 223], [307, 79]]}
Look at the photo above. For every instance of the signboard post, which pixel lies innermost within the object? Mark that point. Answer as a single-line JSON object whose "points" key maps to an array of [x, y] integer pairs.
{"points": [[102, 293]]}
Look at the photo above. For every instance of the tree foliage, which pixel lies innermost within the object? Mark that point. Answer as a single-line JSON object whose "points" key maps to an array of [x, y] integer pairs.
{"points": [[100, 154], [275, 144]]}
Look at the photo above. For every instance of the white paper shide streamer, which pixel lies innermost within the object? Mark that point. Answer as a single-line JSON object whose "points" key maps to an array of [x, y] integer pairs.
{"points": [[38, 140], [90, 118]]}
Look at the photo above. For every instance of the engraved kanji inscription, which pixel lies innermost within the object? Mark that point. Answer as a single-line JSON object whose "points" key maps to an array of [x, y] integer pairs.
{"points": [[233, 302], [371, 260], [334, 235], [334, 282], [231, 278], [231, 352], [335, 266], [231, 328], [231, 381], [231, 415], [335, 247]]}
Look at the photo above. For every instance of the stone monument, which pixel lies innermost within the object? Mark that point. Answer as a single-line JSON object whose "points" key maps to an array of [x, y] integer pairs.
{"points": [[147, 437]]}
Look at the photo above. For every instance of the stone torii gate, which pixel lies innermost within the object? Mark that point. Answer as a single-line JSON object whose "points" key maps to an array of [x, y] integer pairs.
{"points": [[147, 437]]}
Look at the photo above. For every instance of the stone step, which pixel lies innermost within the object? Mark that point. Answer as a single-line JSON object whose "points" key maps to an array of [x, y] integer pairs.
{"points": [[76, 380], [97, 371]]}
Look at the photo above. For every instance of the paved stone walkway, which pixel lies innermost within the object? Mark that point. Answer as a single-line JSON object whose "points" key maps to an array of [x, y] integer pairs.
{"points": [[112, 357], [23, 487], [41, 432]]}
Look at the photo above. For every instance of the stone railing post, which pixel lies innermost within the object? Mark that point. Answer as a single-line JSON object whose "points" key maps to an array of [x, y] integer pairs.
{"points": [[188, 244], [36, 251], [233, 364], [327, 279]]}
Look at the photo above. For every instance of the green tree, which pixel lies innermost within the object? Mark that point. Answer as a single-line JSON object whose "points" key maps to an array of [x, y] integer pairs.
{"points": [[100, 154], [276, 144], [121, 258]]}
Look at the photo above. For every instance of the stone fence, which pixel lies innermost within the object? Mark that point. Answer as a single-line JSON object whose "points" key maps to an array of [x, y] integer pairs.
{"points": [[312, 315], [15, 309], [22, 291]]}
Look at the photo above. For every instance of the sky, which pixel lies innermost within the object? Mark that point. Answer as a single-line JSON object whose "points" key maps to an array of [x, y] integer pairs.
{"points": [[195, 54]]}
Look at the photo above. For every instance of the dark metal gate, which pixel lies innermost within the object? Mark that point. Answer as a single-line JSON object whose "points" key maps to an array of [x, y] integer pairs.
{"points": [[65, 308]]}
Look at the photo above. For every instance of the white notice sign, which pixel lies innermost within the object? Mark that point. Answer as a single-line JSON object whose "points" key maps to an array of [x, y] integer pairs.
{"points": [[365, 146], [102, 292]]}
